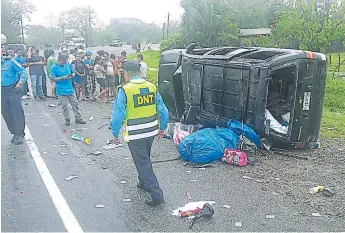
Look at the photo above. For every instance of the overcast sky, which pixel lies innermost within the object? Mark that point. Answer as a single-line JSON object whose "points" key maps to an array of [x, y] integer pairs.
{"points": [[146, 10]]}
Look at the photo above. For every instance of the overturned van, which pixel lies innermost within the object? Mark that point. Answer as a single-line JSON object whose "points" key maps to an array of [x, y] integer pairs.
{"points": [[277, 92]]}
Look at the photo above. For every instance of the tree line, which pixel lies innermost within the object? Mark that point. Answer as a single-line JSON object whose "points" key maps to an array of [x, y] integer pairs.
{"points": [[317, 25]]}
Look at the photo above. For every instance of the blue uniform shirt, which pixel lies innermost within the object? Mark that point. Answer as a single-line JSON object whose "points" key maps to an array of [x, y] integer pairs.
{"points": [[63, 87], [20, 60], [11, 71], [119, 111]]}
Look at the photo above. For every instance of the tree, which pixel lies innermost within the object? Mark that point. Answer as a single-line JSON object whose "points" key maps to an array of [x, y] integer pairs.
{"points": [[81, 19], [40, 36], [209, 24], [309, 27], [12, 12]]}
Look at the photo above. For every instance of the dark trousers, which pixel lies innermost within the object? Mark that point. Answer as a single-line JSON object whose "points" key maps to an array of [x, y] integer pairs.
{"points": [[12, 110], [25, 89], [44, 83], [141, 150]]}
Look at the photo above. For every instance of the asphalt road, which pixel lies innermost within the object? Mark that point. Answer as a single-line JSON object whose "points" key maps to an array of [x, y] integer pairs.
{"points": [[31, 203]]}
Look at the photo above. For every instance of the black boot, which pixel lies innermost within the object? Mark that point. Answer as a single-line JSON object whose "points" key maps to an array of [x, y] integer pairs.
{"points": [[18, 140]]}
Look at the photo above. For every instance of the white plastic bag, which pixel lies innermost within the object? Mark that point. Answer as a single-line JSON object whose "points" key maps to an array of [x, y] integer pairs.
{"points": [[179, 134]]}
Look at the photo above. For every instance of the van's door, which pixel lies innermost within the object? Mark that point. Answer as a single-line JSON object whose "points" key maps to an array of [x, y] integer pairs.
{"points": [[309, 100]]}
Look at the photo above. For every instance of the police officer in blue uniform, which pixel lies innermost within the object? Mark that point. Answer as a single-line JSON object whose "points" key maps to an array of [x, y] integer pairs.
{"points": [[13, 76]]}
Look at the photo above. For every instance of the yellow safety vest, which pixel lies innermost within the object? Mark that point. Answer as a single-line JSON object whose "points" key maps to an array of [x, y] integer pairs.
{"points": [[141, 115]]}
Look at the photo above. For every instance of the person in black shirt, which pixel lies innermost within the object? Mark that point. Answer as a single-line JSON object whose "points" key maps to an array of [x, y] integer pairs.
{"points": [[80, 76]]}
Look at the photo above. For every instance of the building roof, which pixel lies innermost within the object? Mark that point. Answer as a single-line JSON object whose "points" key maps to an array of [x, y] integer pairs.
{"points": [[255, 31]]}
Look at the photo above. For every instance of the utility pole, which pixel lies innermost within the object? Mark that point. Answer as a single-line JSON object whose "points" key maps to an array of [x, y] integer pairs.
{"points": [[89, 12], [168, 24], [187, 23], [22, 28], [163, 30]]}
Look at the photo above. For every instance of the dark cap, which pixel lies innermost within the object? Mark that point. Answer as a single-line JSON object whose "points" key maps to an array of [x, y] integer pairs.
{"points": [[132, 66]]}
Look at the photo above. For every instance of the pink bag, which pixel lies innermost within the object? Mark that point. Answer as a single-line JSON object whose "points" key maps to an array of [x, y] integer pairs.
{"points": [[235, 157]]}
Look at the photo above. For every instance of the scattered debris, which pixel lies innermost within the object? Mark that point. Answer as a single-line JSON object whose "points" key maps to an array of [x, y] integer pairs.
{"points": [[21, 191], [259, 181], [317, 145], [327, 192], [330, 128], [113, 157], [80, 155], [270, 216], [167, 160], [238, 224], [316, 189], [71, 177], [247, 177], [127, 158], [226, 206], [91, 118], [106, 117], [54, 145], [188, 171], [276, 178], [96, 153], [87, 141], [77, 137], [26, 104], [203, 166], [105, 167], [207, 212], [82, 129], [99, 206], [123, 182], [275, 194], [284, 153], [103, 126], [263, 188], [127, 200], [193, 180], [112, 146], [191, 208], [45, 152], [63, 153], [52, 105], [189, 197], [64, 145], [316, 214], [46, 125], [90, 163]]}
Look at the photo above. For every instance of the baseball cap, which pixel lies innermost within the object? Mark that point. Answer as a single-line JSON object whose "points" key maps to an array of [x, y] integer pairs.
{"points": [[133, 66], [88, 52]]}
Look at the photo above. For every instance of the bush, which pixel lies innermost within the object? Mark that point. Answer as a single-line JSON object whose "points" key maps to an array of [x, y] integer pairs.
{"points": [[176, 41], [151, 57], [335, 94]]}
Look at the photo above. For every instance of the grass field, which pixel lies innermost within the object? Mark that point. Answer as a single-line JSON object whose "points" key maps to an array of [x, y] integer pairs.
{"points": [[333, 121]]}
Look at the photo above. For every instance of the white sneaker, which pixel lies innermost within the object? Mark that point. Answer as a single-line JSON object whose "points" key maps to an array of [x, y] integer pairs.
{"points": [[25, 97]]}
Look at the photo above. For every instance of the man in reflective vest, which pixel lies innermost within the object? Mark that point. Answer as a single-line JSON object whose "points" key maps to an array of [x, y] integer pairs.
{"points": [[141, 110]]}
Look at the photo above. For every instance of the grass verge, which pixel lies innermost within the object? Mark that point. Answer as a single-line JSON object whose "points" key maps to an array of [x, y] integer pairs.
{"points": [[151, 57]]}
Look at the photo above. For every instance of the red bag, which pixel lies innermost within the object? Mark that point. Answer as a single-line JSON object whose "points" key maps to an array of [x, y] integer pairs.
{"points": [[235, 157]]}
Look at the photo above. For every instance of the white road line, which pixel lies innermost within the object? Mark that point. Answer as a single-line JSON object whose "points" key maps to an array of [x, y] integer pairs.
{"points": [[69, 220]]}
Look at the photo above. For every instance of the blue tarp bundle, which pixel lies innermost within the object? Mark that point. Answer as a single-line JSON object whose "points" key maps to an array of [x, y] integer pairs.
{"points": [[207, 145], [248, 132]]}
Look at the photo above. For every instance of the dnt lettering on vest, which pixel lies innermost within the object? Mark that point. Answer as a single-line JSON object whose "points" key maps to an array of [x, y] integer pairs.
{"points": [[141, 100]]}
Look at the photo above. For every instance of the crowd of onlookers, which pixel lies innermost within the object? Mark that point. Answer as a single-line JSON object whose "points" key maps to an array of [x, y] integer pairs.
{"points": [[102, 70]]}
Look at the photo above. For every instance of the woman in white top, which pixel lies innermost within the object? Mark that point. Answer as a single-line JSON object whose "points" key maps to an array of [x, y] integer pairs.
{"points": [[110, 75], [100, 77]]}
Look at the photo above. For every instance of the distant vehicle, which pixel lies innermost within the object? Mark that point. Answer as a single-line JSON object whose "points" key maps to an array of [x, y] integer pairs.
{"points": [[16, 47], [79, 42], [116, 43]]}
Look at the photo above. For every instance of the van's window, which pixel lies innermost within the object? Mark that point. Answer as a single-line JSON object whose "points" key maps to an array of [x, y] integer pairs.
{"points": [[263, 55], [280, 98]]}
